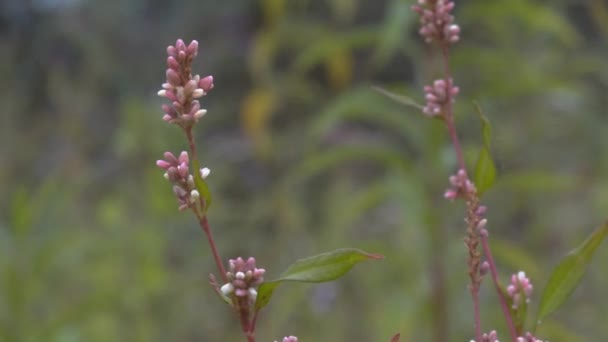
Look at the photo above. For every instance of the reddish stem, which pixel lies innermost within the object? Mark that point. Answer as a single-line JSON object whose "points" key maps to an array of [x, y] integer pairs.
{"points": [[501, 297], [449, 122], [449, 116], [247, 327], [254, 321], [475, 294], [202, 217], [449, 113], [204, 223]]}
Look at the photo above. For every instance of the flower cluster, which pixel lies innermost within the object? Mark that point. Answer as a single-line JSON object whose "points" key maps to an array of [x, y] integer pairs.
{"points": [[461, 186], [520, 284], [243, 279], [183, 89], [492, 337], [437, 96], [489, 337], [436, 21], [178, 173], [289, 339]]}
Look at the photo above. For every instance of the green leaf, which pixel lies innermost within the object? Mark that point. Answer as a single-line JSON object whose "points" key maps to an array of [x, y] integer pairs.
{"points": [[404, 100], [485, 170], [568, 274], [201, 185], [316, 269]]}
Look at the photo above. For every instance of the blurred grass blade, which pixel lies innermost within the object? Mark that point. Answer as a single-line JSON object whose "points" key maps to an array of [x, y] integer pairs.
{"points": [[485, 170], [568, 273], [404, 100], [316, 269]]}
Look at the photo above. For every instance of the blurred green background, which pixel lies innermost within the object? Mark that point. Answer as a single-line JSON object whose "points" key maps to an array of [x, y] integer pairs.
{"points": [[305, 158]]}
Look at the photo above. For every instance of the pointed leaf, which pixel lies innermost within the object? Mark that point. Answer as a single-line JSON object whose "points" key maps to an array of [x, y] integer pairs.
{"points": [[404, 100], [568, 273], [396, 338], [201, 185], [485, 170], [316, 269]]}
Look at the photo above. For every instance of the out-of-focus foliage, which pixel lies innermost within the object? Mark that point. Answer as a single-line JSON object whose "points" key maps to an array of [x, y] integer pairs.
{"points": [[305, 157]]}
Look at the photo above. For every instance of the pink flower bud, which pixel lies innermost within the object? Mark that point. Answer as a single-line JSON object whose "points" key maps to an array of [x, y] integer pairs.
{"points": [[172, 63], [193, 48], [484, 268], [163, 164], [173, 78], [450, 194], [206, 83], [180, 45], [171, 51], [190, 87], [183, 157], [198, 93]]}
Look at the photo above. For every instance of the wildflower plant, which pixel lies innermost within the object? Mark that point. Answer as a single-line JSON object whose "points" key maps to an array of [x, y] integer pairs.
{"points": [[244, 286], [438, 28]]}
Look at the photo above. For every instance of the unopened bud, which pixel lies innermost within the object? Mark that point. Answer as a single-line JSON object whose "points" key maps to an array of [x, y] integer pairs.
{"points": [[227, 289], [484, 268], [199, 114]]}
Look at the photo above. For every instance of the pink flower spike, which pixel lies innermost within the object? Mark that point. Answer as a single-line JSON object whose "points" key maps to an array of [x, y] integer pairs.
{"points": [[181, 87], [520, 287], [436, 21]]}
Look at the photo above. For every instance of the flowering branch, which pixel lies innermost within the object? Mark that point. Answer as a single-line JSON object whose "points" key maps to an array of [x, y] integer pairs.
{"points": [[437, 25], [183, 90]]}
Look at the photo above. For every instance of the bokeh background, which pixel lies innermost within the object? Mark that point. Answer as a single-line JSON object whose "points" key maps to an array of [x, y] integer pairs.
{"points": [[305, 158]]}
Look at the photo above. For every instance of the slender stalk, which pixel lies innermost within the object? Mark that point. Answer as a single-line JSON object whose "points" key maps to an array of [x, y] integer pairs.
{"points": [[450, 113], [202, 217], [439, 291], [247, 327], [501, 297], [449, 122], [449, 116], [478, 335], [254, 321], [204, 223]]}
